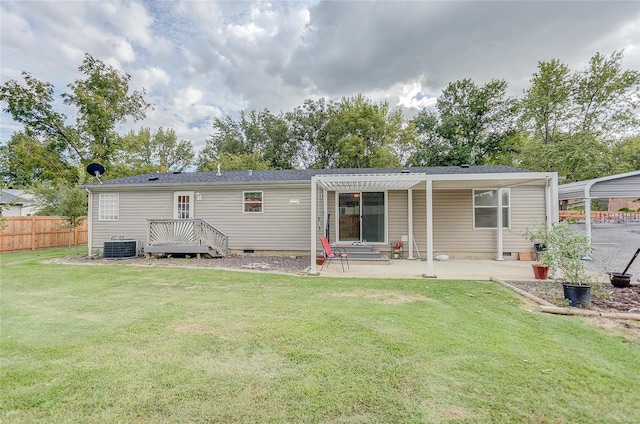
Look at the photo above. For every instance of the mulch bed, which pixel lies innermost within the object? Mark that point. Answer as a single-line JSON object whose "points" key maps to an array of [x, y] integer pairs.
{"points": [[604, 298]]}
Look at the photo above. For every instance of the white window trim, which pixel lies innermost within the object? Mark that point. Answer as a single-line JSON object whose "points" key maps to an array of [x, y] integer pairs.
{"points": [[191, 195], [386, 214], [473, 208], [244, 202], [102, 207]]}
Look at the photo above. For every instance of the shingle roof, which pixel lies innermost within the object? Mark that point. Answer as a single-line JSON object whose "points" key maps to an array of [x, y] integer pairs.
{"points": [[282, 176], [7, 198]]}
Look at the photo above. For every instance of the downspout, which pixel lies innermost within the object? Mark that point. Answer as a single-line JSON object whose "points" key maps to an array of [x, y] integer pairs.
{"points": [[89, 221]]}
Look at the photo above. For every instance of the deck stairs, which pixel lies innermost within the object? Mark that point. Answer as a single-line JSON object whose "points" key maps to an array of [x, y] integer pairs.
{"points": [[185, 236], [363, 254]]}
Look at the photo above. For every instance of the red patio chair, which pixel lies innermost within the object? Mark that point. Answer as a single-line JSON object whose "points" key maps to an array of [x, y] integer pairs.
{"points": [[329, 254]]}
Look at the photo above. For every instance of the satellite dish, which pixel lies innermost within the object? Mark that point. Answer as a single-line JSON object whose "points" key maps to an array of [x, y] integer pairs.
{"points": [[95, 169]]}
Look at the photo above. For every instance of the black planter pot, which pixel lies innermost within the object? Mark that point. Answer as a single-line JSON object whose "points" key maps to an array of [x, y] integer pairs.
{"points": [[577, 295], [620, 280]]}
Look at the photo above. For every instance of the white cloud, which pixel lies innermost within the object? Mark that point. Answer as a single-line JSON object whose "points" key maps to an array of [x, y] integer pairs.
{"points": [[200, 59]]}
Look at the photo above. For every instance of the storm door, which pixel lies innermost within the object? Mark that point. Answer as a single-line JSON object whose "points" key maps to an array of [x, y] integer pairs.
{"points": [[361, 217]]}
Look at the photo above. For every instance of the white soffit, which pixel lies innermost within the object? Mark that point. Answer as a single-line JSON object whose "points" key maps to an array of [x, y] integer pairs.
{"points": [[366, 182]]}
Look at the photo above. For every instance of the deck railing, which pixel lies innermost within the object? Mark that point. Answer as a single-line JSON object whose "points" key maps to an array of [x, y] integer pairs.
{"points": [[194, 232]]}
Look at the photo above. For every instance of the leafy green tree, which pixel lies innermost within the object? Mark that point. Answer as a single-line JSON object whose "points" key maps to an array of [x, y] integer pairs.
{"points": [[102, 101], [469, 125], [159, 152], [546, 104], [61, 199], [308, 130], [26, 157], [260, 135], [626, 155], [361, 134], [576, 157], [606, 98]]}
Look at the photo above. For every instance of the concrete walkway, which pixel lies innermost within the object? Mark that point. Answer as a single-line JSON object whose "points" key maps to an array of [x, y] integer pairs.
{"points": [[445, 270]]}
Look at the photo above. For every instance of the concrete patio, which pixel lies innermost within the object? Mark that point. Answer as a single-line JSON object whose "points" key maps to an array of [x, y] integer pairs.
{"points": [[459, 269]]}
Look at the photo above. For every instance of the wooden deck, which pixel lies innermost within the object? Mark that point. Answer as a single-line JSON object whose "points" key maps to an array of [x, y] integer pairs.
{"points": [[185, 236]]}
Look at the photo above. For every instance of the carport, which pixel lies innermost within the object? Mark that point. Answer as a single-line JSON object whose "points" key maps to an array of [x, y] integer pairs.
{"points": [[612, 186]]}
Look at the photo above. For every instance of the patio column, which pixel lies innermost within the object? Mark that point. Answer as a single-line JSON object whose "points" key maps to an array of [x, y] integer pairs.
{"points": [[314, 225], [499, 256], [325, 206], [410, 221], [429, 198]]}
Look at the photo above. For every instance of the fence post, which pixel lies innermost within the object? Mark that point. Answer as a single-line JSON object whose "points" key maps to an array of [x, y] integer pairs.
{"points": [[33, 232]]}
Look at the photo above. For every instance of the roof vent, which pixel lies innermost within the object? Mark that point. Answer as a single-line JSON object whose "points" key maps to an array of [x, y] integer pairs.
{"points": [[464, 165], [153, 178]]}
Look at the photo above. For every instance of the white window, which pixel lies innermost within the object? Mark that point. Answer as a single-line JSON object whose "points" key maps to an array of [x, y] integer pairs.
{"points": [[109, 207], [485, 208], [183, 205], [252, 201]]}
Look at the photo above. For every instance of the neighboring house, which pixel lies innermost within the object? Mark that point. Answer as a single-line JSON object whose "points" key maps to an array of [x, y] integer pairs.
{"points": [[17, 203], [435, 210]]}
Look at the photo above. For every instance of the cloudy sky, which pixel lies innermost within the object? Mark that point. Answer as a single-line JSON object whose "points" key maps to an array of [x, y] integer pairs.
{"points": [[202, 59]]}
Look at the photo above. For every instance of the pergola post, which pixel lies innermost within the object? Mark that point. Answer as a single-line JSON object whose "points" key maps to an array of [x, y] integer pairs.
{"points": [[499, 256], [429, 198], [410, 223], [314, 225]]}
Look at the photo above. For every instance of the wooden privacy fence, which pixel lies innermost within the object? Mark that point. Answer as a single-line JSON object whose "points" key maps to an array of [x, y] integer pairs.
{"points": [[39, 232], [600, 216]]}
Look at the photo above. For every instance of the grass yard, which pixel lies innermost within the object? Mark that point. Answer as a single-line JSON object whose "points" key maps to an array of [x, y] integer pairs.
{"points": [[96, 344]]}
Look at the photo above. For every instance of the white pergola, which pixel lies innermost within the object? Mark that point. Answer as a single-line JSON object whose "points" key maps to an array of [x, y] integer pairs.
{"points": [[409, 180], [612, 186]]}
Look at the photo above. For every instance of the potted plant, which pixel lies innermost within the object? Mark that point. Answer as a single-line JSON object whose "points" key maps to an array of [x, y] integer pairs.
{"points": [[566, 250], [538, 236]]}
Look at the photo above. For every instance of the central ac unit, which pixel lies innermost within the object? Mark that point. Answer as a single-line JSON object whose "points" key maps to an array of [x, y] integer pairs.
{"points": [[120, 249]]}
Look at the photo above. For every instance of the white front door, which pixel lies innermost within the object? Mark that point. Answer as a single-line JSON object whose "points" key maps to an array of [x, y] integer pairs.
{"points": [[183, 205]]}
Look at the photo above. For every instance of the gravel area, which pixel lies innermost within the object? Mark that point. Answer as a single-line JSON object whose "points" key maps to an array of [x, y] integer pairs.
{"points": [[614, 246]]}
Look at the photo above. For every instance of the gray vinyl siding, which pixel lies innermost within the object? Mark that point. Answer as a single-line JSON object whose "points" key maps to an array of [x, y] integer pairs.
{"points": [[453, 231], [398, 223], [134, 209], [281, 225], [285, 225]]}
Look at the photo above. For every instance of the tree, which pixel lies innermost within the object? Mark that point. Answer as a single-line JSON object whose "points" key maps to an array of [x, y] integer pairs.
{"points": [[160, 152], [546, 105], [468, 126], [361, 134], [576, 157], [62, 199], [256, 136], [607, 99], [26, 157], [308, 130], [102, 100]]}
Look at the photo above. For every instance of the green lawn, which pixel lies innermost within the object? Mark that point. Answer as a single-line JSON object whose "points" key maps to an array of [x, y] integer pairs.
{"points": [[137, 344]]}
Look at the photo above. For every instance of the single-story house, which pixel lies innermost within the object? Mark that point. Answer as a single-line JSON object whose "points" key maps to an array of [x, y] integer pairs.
{"points": [[462, 211], [15, 202]]}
